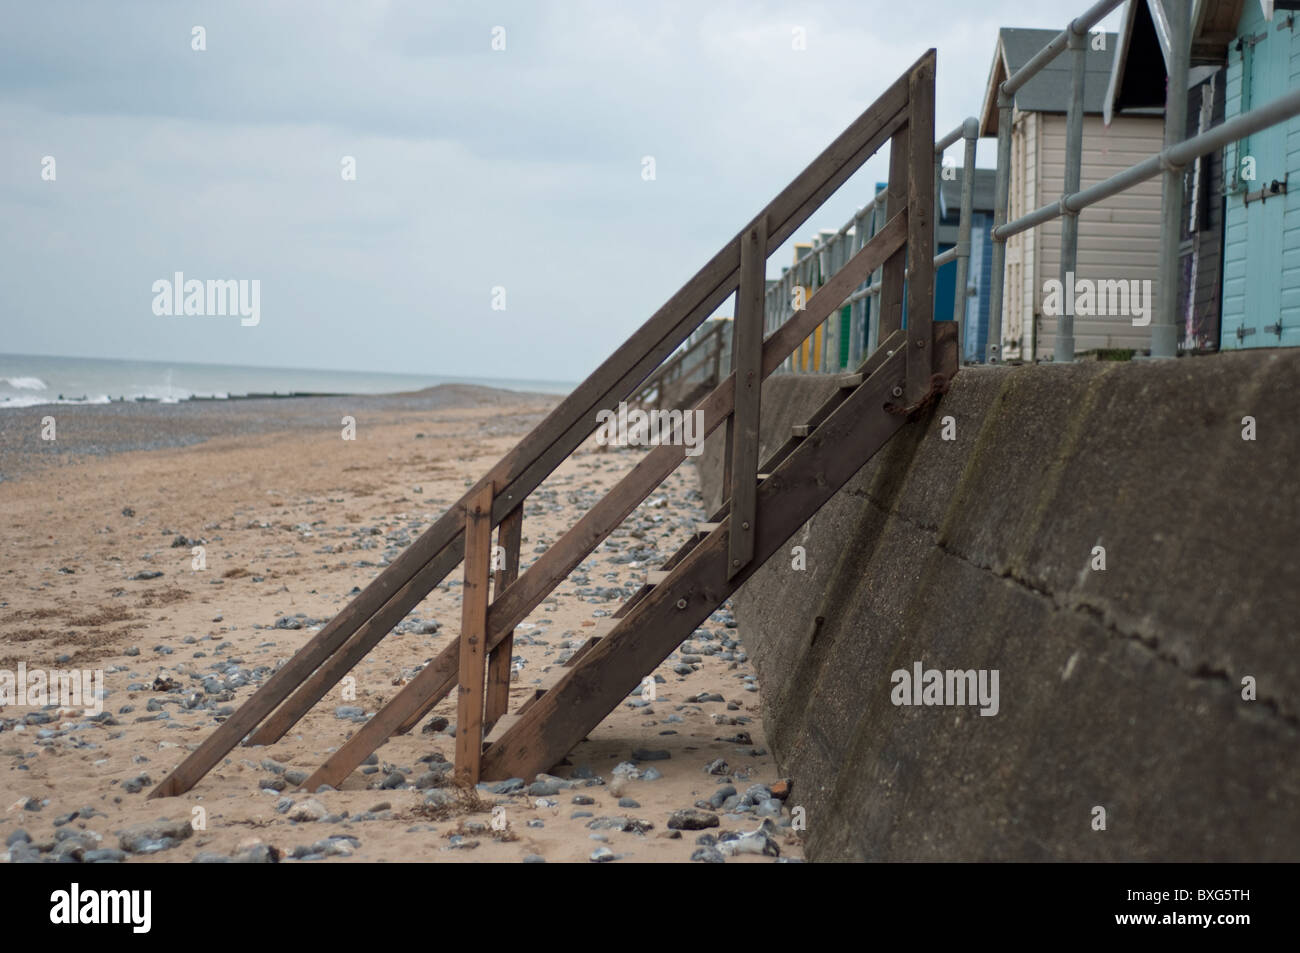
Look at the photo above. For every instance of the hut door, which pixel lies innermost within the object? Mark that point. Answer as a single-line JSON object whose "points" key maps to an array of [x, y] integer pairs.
{"points": [[1266, 74]]}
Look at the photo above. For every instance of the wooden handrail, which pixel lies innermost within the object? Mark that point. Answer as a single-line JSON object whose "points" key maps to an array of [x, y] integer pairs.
{"points": [[395, 591]]}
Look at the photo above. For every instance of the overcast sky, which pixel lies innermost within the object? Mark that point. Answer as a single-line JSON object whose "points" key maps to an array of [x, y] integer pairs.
{"points": [[475, 168]]}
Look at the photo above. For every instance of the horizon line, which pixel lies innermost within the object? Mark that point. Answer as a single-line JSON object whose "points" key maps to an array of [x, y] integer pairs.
{"points": [[282, 367]]}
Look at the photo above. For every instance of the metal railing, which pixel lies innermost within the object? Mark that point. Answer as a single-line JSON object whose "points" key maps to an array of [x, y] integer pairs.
{"points": [[828, 252], [1178, 152], [831, 250]]}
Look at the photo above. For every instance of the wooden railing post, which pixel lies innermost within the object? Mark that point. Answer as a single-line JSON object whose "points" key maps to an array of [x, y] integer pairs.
{"points": [[473, 633], [891, 275], [509, 536], [747, 361], [921, 361]]}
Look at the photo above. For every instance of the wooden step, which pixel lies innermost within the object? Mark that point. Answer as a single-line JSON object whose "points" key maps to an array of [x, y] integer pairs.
{"points": [[701, 533], [801, 430], [504, 724], [652, 579], [849, 381], [527, 703], [586, 647], [548, 680]]}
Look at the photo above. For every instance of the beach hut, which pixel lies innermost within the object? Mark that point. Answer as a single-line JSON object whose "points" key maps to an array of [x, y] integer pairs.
{"points": [[1240, 276], [1119, 238]]}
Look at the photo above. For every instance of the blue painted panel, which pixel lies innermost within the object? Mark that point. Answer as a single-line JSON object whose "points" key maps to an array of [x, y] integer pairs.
{"points": [[1261, 273], [945, 284]]}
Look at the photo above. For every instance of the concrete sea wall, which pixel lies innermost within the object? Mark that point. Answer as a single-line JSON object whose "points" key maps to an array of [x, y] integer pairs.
{"points": [[1119, 689]]}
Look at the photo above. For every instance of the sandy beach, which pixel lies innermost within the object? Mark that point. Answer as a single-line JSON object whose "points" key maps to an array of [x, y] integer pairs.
{"points": [[98, 573]]}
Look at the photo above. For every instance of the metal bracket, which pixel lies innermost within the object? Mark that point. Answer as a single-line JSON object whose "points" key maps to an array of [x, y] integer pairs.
{"points": [[1245, 41], [1274, 329], [1170, 166], [1273, 188], [938, 387], [1243, 332]]}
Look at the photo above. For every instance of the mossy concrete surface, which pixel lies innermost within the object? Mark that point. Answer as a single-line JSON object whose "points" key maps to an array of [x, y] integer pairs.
{"points": [[1119, 689]]}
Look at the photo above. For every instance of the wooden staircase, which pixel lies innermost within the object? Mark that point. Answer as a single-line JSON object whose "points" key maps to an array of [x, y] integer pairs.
{"points": [[765, 504]]}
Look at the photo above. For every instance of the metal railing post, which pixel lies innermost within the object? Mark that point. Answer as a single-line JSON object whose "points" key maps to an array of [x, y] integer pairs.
{"points": [[830, 339], [784, 291], [878, 218], [1164, 326], [1001, 193], [857, 310], [1063, 350], [970, 131]]}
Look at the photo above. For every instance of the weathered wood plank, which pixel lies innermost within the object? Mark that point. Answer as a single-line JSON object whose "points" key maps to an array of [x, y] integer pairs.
{"points": [[728, 454], [891, 275], [747, 362], [509, 536], [473, 635], [920, 229]]}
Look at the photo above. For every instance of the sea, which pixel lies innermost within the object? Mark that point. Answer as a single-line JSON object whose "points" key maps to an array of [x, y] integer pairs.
{"points": [[28, 380]]}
